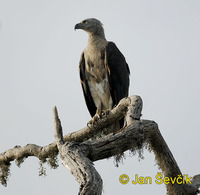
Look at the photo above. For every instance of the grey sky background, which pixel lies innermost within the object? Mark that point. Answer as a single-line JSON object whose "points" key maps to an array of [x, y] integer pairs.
{"points": [[39, 56]]}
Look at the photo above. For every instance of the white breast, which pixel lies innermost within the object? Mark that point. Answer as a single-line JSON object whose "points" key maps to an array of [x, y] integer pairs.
{"points": [[101, 94], [97, 75]]}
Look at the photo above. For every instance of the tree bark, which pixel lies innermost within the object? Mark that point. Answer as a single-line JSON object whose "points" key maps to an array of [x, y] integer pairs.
{"points": [[78, 151], [74, 158]]}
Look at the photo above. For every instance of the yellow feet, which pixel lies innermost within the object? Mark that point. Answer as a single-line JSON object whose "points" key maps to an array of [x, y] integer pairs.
{"points": [[98, 116], [95, 118], [104, 112]]}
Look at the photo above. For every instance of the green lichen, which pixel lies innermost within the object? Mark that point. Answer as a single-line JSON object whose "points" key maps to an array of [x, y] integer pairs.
{"points": [[119, 159], [4, 173], [19, 161], [42, 169], [53, 160]]}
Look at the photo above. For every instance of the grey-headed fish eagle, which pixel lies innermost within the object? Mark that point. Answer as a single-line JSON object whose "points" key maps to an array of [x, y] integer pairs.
{"points": [[104, 72]]}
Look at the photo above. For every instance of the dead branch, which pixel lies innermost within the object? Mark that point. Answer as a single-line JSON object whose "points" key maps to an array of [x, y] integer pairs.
{"points": [[74, 158], [78, 152], [87, 132]]}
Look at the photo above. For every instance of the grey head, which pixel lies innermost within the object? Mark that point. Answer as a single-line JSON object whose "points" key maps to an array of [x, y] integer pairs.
{"points": [[91, 26]]}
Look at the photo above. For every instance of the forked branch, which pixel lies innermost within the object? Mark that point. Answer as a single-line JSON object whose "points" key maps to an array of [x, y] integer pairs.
{"points": [[78, 151]]}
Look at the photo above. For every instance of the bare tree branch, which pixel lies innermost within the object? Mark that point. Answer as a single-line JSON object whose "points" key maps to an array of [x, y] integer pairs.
{"points": [[74, 158], [87, 132], [78, 152]]}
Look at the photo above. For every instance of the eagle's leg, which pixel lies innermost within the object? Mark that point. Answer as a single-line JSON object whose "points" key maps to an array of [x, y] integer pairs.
{"points": [[96, 117], [107, 105]]}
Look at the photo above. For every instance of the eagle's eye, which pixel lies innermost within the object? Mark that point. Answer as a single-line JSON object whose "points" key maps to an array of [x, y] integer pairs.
{"points": [[85, 22]]}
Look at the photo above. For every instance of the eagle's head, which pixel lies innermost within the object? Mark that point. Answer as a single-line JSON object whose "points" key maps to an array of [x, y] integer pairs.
{"points": [[91, 26]]}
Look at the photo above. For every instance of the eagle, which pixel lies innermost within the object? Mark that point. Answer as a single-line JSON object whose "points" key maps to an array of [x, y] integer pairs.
{"points": [[104, 73]]}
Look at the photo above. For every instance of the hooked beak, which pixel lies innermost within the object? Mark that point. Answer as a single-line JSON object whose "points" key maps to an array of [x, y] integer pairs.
{"points": [[78, 26]]}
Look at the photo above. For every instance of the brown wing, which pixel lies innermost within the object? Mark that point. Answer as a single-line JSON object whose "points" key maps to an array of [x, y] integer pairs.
{"points": [[86, 91], [118, 72]]}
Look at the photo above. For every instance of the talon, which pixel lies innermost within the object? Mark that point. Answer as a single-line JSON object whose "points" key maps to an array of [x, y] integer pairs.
{"points": [[102, 113], [105, 112], [94, 119]]}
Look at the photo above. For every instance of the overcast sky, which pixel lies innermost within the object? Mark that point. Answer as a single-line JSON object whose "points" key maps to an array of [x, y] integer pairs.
{"points": [[39, 56]]}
